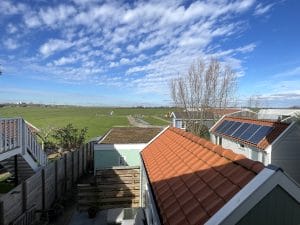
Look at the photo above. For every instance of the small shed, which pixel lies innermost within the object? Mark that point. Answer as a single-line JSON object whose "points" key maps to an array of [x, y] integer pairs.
{"points": [[121, 146]]}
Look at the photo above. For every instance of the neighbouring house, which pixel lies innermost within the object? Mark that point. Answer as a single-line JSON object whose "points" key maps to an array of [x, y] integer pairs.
{"points": [[189, 180], [277, 114], [270, 142], [121, 146], [180, 118]]}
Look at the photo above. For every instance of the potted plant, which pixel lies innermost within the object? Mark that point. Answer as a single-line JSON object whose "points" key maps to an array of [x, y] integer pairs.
{"points": [[92, 211]]}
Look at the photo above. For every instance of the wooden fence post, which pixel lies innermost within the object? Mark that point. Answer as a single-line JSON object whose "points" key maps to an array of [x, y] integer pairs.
{"points": [[66, 175], [84, 156], [43, 190], [24, 196], [1, 213], [82, 166], [56, 179], [72, 167], [78, 161]]}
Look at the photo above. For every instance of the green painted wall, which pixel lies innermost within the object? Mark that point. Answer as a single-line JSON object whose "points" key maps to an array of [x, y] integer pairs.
{"points": [[109, 158], [276, 208]]}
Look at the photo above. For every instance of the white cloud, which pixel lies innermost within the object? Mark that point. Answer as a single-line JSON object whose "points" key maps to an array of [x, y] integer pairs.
{"points": [[155, 40], [53, 46], [10, 44], [288, 73], [11, 28], [51, 16], [65, 60], [32, 20], [9, 8], [261, 9]]}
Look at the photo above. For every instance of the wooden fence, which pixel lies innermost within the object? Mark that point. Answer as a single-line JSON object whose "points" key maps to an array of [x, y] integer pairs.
{"points": [[45, 187], [118, 187]]}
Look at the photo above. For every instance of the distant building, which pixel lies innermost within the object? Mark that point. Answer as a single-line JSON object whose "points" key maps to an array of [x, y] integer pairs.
{"points": [[270, 142], [121, 146], [277, 114], [189, 180], [180, 118]]}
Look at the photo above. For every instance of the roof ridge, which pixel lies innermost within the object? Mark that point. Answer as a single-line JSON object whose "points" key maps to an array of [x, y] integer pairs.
{"points": [[258, 120], [240, 159]]}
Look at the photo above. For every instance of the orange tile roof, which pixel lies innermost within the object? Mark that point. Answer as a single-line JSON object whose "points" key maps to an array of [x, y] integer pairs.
{"points": [[192, 178], [278, 128]]}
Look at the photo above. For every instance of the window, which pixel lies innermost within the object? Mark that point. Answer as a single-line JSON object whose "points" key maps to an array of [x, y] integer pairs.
{"points": [[242, 145]]}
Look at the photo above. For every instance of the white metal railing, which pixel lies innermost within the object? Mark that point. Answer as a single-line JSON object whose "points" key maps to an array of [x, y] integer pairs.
{"points": [[10, 136], [15, 133], [33, 147]]}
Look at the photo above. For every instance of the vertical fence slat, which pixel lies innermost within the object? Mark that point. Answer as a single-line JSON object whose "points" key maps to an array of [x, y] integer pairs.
{"points": [[1, 136], [33, 191], [1, 213], [24, 196], [43, 190]]}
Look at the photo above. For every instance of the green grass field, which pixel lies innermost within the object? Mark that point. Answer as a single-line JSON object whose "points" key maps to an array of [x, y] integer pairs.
{"points": [[96, 119]]}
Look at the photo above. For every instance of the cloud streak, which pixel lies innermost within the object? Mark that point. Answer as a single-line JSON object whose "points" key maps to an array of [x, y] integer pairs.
{"points": [[139, 46]]}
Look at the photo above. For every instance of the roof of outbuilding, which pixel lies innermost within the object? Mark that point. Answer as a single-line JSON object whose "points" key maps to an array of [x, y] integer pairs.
{"points": [[192, 178], [278, 128], [129, 135]]}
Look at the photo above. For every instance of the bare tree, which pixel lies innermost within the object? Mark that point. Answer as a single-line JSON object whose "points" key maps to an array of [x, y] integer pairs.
{"points": [[206, 87], [254, 102]]}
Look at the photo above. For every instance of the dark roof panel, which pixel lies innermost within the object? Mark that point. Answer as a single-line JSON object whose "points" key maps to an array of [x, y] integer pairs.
{"points": [[253, 132]]}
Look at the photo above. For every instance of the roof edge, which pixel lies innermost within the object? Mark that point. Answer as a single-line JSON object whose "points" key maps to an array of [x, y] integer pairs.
{"points": [[284, 132], [104, 136], [239, 200], [237, 207], [153, 139]]}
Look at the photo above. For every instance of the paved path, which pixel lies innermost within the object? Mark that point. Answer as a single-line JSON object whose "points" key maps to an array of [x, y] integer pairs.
{"points": [[82, 218], [162, 119], [138, 122]]}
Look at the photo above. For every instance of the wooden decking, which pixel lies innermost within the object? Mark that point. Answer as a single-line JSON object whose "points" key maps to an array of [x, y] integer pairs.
{"points": [[115, 188]]}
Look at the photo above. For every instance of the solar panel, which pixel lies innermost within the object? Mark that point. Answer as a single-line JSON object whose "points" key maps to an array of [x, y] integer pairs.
{"points": [[249, 132], [221, 126], [230, 123], [224, 128], [260, 134], [233, 128], [240, 130]]}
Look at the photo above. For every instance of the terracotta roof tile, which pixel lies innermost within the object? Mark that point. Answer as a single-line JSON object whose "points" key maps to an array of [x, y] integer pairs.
{"points": [[278, 128], [193, 178]]}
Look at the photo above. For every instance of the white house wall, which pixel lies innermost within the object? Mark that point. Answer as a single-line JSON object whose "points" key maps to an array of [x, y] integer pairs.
{"points": [[248, 151], [286, 152]]}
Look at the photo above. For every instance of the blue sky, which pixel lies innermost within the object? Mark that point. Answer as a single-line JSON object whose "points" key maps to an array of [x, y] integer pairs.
{"points": [[123, 53]]}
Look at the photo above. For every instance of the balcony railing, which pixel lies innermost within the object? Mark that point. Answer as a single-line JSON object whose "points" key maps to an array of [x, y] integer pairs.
{"points": [[16, 134]]}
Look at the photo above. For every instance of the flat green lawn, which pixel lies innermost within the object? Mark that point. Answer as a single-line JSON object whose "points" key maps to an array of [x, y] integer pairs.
{"points": [[97, 120]]}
